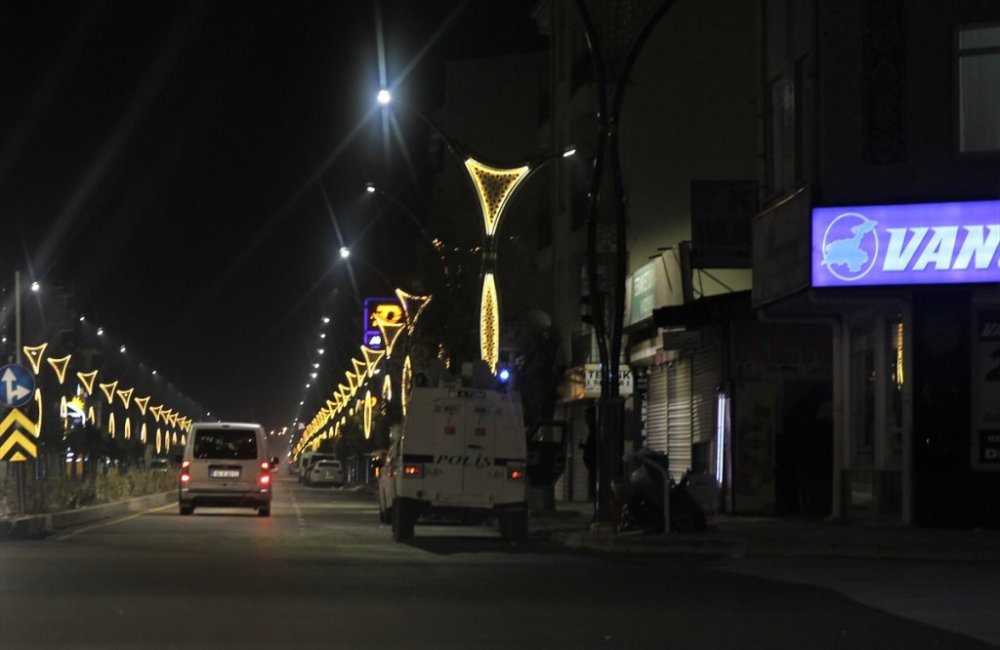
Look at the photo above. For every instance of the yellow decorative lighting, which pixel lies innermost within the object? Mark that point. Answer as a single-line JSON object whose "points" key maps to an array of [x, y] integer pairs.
{"points": [[494, 187], [489, 324], [156, 411], [360, 369], [368, 414], [59, 365], [111, 425], [142, 403], [87, 379], [352, 380], [159, 440], [390, 333], [372, 358], [142, 433], [35, 354], [126, 396], [405, 384], [413, 306], [109, 390], [128, 428], [387, 389], [91, 416], [184, 439]]}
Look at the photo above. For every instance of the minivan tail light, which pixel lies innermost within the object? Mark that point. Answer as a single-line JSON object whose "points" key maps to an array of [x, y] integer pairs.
{"points": [[515, 473], [413, 471], [265, 479], [186, 472], [265, 466]]}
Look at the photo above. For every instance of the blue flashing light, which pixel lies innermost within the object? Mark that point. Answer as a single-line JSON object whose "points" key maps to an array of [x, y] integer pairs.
{"points": [[503, 375]]}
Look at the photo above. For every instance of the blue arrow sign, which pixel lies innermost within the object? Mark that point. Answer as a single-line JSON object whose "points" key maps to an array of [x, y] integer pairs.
{"points": [[17, 385]]}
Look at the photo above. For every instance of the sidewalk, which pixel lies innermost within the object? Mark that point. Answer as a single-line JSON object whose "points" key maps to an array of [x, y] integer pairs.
{"points": [[34, 526], [733, 535]]}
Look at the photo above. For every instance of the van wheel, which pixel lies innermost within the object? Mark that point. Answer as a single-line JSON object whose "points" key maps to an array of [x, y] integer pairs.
{"points": [[383, 513], [403, 518], [264, 511], [514, 525], [186, 509]]}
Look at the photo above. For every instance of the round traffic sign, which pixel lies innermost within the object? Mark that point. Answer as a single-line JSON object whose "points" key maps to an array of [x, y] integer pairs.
{"points": [[17, 385]]}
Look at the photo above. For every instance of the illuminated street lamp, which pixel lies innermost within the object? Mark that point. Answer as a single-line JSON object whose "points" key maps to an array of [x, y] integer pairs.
{"points": [[345, 252], [494, 186]]}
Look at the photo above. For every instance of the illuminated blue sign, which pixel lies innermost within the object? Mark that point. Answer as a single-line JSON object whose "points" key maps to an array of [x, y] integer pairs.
{"points": [[387, 309], [925, 243]]}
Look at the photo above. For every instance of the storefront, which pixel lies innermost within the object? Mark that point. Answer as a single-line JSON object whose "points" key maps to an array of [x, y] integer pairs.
{"points": [[911, 297]]}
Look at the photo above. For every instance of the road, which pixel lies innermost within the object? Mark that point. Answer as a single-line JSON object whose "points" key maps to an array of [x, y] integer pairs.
{"points": [[321, 572]]}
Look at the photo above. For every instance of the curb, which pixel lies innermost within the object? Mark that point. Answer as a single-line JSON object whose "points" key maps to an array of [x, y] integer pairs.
{"points": [[37, 526], [676, 544]]}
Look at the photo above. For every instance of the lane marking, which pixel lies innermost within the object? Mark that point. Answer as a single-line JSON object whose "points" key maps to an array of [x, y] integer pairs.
{"points": [[76, 531]]}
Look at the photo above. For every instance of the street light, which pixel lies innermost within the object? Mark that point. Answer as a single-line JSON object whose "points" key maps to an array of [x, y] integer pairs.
{"points": [[345, 252], [384, 97]]}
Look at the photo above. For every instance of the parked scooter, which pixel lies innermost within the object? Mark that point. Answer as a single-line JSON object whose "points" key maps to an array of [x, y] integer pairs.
{"points": [[643, 496]]}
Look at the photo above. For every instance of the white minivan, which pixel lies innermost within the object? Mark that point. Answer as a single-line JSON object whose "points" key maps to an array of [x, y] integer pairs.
{"points": [[225, 464], [460, 452]]}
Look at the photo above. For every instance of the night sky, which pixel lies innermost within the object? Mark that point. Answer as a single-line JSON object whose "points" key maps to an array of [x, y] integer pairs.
{"points": [[182, 170]]}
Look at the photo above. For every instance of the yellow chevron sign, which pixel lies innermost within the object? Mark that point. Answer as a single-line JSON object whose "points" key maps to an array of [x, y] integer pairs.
{"points": [[18, 436]]}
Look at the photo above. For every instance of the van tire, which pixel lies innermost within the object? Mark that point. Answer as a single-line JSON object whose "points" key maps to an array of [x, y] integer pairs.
{"points": [[514, 525], [404, 516], [186, 509], [383, 513], [264, 511]]}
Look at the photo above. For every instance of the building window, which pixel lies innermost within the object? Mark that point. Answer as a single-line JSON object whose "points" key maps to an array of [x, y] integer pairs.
{"points": [[979, 88]]}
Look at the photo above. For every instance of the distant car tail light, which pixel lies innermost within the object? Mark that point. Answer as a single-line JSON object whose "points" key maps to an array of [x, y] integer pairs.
{"points": [[515, 473], [265, 480], [413, 471]]}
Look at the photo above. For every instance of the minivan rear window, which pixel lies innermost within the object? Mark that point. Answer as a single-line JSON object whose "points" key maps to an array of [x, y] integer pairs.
{"points": [[226, 444]]}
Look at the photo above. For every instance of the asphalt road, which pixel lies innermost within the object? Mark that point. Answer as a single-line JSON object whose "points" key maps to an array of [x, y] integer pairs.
{"points": [[321, 572]]}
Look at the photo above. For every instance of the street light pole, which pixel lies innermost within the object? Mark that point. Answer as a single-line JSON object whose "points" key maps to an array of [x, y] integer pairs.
{"points": [[611, 406]]}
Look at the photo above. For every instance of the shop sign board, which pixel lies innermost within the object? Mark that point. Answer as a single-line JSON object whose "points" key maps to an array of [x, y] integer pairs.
{"points": [[592, 380], [387, 309], [911, 244]]}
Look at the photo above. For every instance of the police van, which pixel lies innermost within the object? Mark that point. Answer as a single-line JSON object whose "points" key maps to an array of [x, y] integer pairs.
{"points": [[459, 452]]}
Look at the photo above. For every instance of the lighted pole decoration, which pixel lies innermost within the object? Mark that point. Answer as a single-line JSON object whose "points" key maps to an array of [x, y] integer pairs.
{"points": [[494, 187]]}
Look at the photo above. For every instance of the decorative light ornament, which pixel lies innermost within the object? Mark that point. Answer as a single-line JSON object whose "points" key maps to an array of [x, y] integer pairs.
{"points": [[87, 379], [142, 433], [406, 384], [489, 324], [390, 333], [142, 403], [35, 354], [128, 428], [413, 306], [126, 396], [109, 390], [360, 369], [387, 388], [494, 187], [157, 411], [111, 424], [372, 358], [368, 414], [59, 365], [159, 440]]}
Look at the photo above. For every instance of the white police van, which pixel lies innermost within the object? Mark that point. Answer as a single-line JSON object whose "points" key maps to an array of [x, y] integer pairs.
{"points": [[459, 452]]}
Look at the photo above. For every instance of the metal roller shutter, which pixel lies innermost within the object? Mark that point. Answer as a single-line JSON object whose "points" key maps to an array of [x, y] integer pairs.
{"points": [[656, 409], [707, 372], [679, 416]]}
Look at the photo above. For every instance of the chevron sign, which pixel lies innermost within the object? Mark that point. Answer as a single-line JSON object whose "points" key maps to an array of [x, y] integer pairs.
{"points": [[18, 436]]}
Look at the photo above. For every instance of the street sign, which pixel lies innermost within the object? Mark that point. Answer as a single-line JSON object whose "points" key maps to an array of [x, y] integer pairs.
{"points": [[592, 380], [17, 385], [18, 437], [388, 310]]}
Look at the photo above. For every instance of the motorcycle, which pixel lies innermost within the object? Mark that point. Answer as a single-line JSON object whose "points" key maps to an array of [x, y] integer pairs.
{"points": [[642, 497]]}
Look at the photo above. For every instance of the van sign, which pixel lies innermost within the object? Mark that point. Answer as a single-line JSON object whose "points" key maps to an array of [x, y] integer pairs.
{"points": [[925, 243]]}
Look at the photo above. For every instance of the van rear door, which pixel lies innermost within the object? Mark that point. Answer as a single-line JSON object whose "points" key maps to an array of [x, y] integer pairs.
{"points": [[480, 447]]}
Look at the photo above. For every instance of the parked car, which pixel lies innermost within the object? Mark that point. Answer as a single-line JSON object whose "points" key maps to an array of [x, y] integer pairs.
{"points": [[159, 465], [326, 472]]}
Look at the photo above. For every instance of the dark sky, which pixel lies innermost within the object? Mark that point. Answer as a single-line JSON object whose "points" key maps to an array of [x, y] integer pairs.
{"points": [[169, 163]]}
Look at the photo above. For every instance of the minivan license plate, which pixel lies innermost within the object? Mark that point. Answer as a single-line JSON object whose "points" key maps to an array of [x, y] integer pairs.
{"points": [[225, 473]]}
